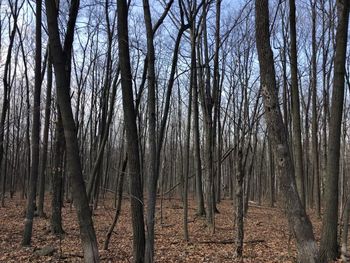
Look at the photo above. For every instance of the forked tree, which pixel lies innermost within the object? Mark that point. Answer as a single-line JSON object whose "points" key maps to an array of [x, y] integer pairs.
{"points": [[61, 59]]}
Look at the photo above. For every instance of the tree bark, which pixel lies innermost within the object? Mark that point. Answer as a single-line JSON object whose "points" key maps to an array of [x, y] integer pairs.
{"points": [[6, 92], [34, 169], [187, 166], [329, 237], [315, 158], [61, 57], [152, 138], [197, 151], [119, 203], [239, 205], [207, 106], [57, 180], [132, 135], [298, 151], [345, 234], [45, 140], [298, 220]]}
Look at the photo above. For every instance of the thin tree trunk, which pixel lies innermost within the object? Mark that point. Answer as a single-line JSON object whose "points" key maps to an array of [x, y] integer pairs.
{"points": [[61, 57], [152, 120], [329, 237], [119, 204], [57, 181], [103, 140], [6, 92], [132, 135], [45, 140], [216, 93], [107, 112], [315, 159], [187, 166], [298, 151], [271, 171], [207, 102], [5, 165], [28, 223], [239, 205], [345, 233], [199, 185]]}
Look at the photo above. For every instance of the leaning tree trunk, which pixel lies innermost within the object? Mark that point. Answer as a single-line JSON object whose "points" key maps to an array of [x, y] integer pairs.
{"points": [[132, 135], [119, 203], [329, 237], [61, 58], [298, 220]]}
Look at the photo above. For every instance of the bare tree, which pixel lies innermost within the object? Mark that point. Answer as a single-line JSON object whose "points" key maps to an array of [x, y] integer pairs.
{"points": [[43, 171], [132, 135], [28, 225], [298, 220], [329, 238], [315, 153], [299, 171], [15, 9], [61, 57]]}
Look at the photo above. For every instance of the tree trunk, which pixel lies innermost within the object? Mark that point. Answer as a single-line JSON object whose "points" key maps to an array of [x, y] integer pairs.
{"points": [[119, 204], [298, 151], [57, 181], [207, 106], [239, 205], [28, 223], [187, 165], [344, 238], [197, 151], [45, 140], [132, 135], [61, 57], [152, 138], [315, 159], [329, 237], [107, 112], [6, 92], [298, 220], [271, 172]]}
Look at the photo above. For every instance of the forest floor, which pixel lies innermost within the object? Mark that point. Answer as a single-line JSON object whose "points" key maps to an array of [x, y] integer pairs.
{"points": [[267, 237]]}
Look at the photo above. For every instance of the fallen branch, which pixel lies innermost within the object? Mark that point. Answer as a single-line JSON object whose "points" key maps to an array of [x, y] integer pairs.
{"points": [[231, 241]]}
